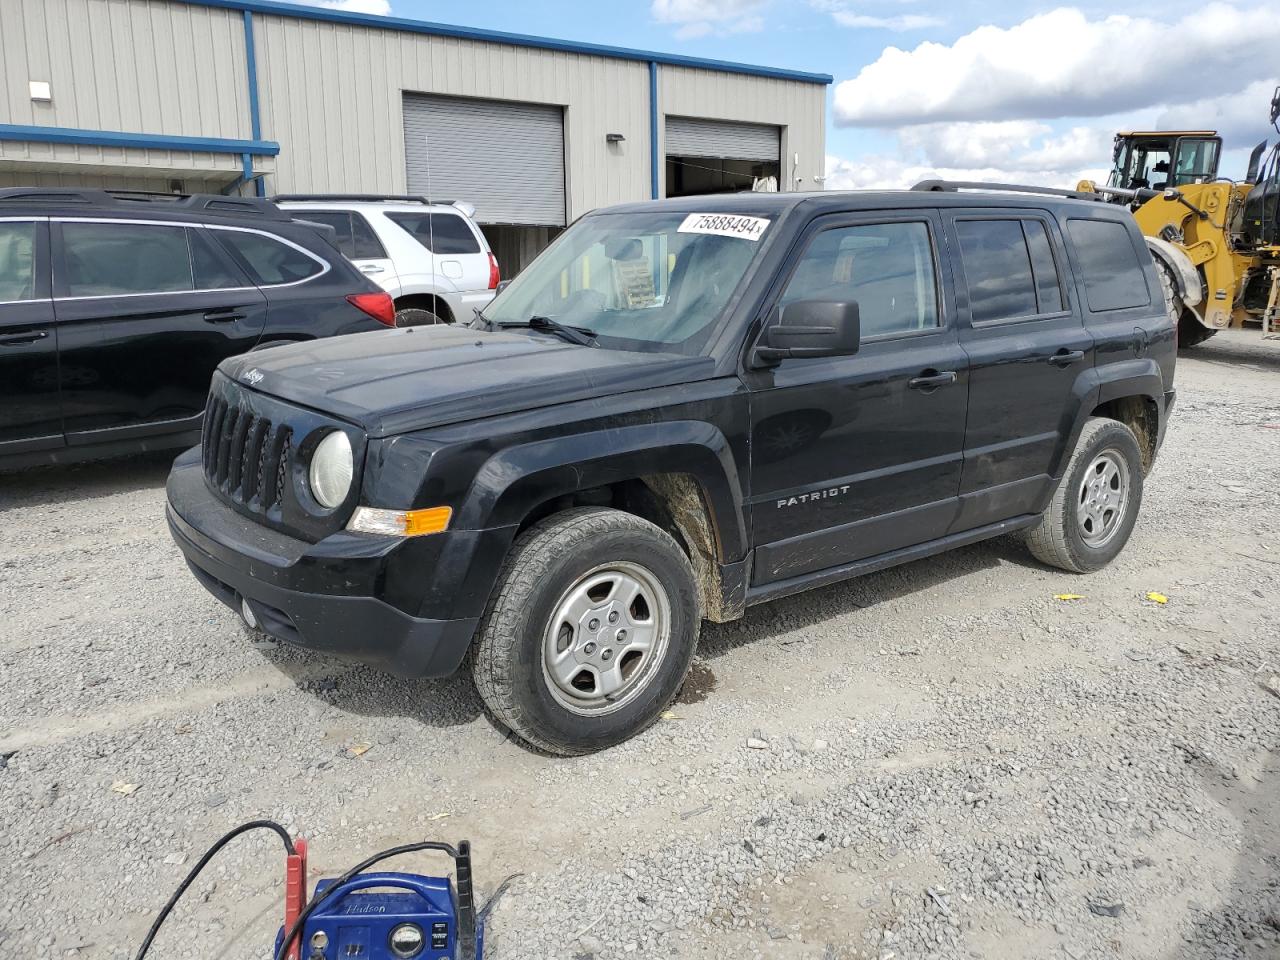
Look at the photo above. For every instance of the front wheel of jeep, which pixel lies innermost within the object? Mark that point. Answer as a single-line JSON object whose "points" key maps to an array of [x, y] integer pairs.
{"points": [[590, 631]]}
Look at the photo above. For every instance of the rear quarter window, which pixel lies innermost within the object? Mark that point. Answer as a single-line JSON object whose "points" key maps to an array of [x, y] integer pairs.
{"points": [[268, 260], [1115, 278], [441, 233]]}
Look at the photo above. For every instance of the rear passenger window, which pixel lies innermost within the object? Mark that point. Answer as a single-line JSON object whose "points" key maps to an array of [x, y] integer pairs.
{"points": [[997, 269], [886, 267], [119, 259], [340, 220], [1009, 269], [209, 265], [1114, 277], [268, 260], [439, 232], [17, 261], [1048, 286]]}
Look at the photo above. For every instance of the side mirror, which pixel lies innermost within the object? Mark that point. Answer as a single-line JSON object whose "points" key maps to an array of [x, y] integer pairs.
{"points": [[810, 328], [502, 285]]}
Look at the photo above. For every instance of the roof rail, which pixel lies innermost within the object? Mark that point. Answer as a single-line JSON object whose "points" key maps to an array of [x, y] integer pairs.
{"points": [[209, 202], [357, 198], [953, 186]]}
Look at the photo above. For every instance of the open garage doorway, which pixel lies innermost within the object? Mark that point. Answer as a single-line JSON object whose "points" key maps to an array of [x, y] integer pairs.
{"points": [[718, 156]]}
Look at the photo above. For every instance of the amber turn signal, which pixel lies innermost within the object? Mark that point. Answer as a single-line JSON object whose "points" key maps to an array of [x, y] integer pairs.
{"points": [[400, 523]]}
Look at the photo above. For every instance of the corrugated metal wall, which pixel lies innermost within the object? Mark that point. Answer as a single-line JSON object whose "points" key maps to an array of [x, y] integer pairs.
{"points": [[798, 108], [331, 95], [125, 65]]}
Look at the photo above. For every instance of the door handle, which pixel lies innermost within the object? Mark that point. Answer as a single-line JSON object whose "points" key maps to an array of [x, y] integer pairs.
{"points": [[372, 268], [932, 380], [223, 316], [30, 336], [1065, 358]]}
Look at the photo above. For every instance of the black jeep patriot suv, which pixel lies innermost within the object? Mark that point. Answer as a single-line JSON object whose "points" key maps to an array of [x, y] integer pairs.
{"points": [[680, 409]]}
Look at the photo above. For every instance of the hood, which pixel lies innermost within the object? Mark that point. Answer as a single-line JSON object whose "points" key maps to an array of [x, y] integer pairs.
{"points": [[394, 381]]}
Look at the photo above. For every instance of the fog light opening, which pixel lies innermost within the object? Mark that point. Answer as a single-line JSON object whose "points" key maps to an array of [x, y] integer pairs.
{"points": [[246, 612]]}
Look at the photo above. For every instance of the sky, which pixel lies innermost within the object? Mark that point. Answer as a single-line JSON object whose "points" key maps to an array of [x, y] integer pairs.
{"points": [[962, 89]]}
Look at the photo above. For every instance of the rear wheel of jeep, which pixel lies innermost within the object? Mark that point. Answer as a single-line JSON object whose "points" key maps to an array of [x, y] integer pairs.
{"points": [[1096, 505], [590, 632]]}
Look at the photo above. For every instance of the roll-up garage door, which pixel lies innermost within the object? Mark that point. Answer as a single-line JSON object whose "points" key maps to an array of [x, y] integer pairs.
{"points": [[506, 158], [689, 137]]}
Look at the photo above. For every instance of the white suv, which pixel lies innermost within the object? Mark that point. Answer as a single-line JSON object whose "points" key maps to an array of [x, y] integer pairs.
{"points": [[431, 257]]}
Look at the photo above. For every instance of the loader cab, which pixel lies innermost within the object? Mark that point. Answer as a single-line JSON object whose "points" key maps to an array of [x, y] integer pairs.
{"points": [[1160, 160]]}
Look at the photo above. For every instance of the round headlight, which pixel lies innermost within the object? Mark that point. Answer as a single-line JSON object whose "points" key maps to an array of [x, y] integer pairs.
{"points": [[331, 470]]}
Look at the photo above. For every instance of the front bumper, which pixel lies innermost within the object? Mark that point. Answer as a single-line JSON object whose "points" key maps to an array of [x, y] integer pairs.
{"points": [[329, 596]]}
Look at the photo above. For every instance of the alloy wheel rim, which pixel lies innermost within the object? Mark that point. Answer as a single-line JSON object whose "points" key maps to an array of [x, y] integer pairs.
{"points": [[1103, 497], [608, 634]]}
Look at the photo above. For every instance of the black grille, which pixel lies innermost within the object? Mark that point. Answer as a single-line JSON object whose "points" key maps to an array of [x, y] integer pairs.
{"points": [[246, 456]]}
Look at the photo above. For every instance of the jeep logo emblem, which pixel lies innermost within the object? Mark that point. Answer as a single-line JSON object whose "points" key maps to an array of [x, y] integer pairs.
{"points": [[253, 377]]}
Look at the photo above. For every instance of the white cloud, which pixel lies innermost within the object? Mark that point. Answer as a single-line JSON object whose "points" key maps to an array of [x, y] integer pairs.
{"points": [[844, 14], [697, 18], [1003, 151], [1062, 64], [1241, 118], [380, 8], [895, 173]]}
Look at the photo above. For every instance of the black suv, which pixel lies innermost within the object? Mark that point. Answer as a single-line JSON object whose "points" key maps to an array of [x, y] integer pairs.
{"points": [[683, 408], [115, 309]]}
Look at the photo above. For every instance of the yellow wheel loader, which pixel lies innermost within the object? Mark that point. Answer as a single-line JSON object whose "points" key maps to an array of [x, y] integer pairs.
{"points": [[1216, 241]]}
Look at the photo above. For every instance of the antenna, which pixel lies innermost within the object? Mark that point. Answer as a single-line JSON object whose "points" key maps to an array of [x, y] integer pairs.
{"points": [[431, 217]]}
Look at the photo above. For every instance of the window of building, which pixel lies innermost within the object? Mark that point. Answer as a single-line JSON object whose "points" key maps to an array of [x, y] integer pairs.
{"points": [[1114, 277], [120, 259], [887, 268], [442, 233], [17, 261]]}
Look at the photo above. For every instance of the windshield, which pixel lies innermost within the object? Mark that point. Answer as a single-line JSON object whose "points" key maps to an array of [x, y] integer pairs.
{"points": [[652, 282]]}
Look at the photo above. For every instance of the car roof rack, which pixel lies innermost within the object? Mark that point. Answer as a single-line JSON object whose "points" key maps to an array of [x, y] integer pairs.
{"points": [[359, 198], [954, 186], [209, 202]]}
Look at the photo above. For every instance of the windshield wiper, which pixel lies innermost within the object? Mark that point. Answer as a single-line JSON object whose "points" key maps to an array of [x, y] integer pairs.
{"points": [[582, 336]]}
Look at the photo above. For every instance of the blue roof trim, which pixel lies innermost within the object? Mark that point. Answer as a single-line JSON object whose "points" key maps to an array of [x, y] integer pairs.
{"points": [[143, 141], [513, 39]]}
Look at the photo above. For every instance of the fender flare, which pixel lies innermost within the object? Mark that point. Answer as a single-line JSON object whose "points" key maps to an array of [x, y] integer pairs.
{"points": [[1140, 377], [515, 481], [1185, 275]]}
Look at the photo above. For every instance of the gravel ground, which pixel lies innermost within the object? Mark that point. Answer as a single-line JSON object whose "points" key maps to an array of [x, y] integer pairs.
{"points": [[945, 761]]}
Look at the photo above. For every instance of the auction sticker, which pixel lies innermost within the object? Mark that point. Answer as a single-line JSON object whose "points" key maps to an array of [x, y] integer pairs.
{"points": [[725, 225]]}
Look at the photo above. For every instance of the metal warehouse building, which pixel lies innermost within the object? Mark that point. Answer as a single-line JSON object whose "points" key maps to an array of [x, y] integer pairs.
{"points": [[255, 95]]}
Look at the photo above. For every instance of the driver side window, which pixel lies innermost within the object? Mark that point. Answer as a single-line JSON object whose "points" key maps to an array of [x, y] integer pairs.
{"points": [[888, 268]]}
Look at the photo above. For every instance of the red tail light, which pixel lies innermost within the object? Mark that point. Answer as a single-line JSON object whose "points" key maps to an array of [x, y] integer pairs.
{"points": [[495, 276], [377, 305]]}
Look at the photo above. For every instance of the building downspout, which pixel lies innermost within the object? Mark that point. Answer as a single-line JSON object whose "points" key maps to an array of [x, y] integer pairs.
{"points": [[653, 129], [255, 118]]}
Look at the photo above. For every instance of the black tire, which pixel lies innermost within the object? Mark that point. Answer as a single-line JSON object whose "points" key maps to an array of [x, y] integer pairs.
{"points": [[1191, 332], [549, 561], [1059, 538], [416, 317]]}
